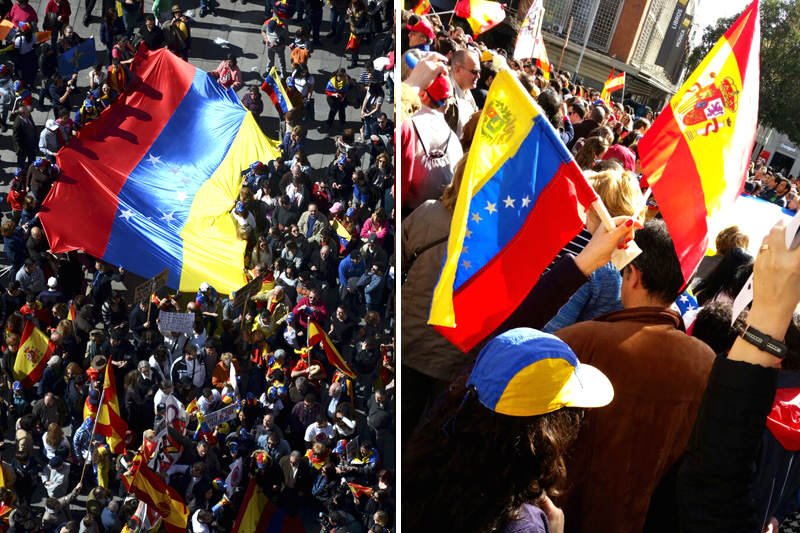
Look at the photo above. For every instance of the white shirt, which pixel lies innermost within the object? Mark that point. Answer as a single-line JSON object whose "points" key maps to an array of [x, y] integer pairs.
{"points": [[314, 433]]}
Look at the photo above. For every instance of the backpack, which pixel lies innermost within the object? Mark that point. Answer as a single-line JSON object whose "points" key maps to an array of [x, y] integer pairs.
{"points": [[434, 166]]}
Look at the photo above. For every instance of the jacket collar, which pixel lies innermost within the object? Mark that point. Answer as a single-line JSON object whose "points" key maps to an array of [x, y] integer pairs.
{"points": [[650, 315]]}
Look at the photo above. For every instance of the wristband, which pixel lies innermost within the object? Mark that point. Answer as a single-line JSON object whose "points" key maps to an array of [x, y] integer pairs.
{"points": [[764, 342]]}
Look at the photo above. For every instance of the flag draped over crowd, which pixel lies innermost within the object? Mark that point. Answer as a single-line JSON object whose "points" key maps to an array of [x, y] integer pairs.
{"points": [[696, 154], [519, 178], [173, 148]]}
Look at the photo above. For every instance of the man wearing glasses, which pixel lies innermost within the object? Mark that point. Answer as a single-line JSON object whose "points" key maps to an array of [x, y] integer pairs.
{"points": [[465, 70]]}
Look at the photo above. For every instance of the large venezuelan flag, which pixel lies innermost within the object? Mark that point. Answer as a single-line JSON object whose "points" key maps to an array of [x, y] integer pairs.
{"points": [[522, 198], [696, 154], [257, 513], [151, 183]]}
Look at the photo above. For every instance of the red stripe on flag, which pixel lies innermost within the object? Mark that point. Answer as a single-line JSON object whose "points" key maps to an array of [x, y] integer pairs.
{"points": [[677, 188], [488, 297]]}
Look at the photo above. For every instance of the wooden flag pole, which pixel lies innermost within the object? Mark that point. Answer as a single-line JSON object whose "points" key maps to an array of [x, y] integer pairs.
{"points": [[566, 40]]}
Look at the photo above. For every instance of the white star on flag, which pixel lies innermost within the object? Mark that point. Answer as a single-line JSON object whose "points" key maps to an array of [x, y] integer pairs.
{"points": [[526, 201], [153, 159], [509, 201], [181, 196], [468, 234], [684, 298], [168, 216], [476, 217], [490, 207], [466, 264], [464, 249], [126, 214]]}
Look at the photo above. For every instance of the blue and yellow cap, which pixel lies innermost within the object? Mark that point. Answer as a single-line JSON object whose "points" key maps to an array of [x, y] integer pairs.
{"points": [[525, 372]]}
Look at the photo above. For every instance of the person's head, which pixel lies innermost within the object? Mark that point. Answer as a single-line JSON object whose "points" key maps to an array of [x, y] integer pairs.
{"points": [[436, 95], [597, 114], [294, 458], [619, 192], [782, 187], [230, 61], [730, 238], [308, 400], [420, 31], [48, 399], [518, 403], [550, 102], [190, 352], [713, 326], [226, 359], [322, 420], [654, 278], [149, 21], [202, 449], [591, 151], [341, 75], [727, 278], [466, 68], [176, 11]]}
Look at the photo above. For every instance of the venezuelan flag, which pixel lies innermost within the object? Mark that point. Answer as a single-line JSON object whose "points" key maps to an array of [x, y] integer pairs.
{"points": [[157, 175], [34, 351], [521, 200], [315, 335], [342, 234], [152, 490], [110, 423], [482, 15], [257, 513], [274, 88], [696, 154]]}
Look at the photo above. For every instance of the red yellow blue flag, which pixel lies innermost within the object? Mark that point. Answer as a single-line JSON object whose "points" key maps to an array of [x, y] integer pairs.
{"points": [[522, 198]]}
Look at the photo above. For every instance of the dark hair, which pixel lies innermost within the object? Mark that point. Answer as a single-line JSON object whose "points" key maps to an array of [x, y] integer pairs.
{"points": [[445, 45], [550, 102], [728, 276], [661, 270], [513, 459], [577, 107], [713, 326]]}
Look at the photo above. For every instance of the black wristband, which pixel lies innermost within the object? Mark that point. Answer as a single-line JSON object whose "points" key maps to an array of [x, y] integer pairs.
{"points": [[764, 342]]}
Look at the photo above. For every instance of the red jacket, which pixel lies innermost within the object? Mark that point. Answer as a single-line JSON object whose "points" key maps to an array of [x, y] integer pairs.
{"points": [[64, 10]]}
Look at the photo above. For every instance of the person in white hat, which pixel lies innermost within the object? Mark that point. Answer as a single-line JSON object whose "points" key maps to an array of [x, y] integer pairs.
{"points": [[51, 140], [52, 295]]}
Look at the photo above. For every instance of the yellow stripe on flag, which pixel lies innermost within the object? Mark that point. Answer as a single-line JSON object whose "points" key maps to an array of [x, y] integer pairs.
{"points": [[510, 109]]}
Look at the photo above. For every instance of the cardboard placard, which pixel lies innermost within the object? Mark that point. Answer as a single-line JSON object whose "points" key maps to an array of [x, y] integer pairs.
{"points": [[143, 291]]}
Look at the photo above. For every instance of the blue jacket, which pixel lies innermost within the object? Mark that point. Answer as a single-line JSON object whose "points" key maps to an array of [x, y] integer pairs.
{"points": [[348, 269], [15, 250], [373, 285], [598, 296]]}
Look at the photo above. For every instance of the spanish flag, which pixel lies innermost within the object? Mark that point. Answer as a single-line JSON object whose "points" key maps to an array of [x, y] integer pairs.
{"points": [[542, 61], [522, 199], [482, 15], [72, 313], [257, 513], [110, 423], [152, 490], [34, 351], [613, 83], [696, 154], [359, 490], [423, 7], [192, 407], [316, 335]]}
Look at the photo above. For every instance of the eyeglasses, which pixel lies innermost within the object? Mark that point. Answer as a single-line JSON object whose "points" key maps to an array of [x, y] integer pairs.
{"points": [[475, 72]]}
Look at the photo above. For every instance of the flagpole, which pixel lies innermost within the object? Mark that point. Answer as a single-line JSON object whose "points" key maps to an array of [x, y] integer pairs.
{"points": [[94, 427], [566, 40], [586, 33]]}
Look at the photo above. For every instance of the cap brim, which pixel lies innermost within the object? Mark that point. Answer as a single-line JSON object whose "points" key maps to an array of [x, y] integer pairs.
{"points": [[586, 387]]}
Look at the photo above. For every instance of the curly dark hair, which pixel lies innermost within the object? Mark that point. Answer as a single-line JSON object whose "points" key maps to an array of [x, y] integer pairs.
{"points": [[470, 469]]}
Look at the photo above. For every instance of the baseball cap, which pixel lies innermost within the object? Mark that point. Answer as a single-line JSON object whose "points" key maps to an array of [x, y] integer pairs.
{"points": [[88, 103], [623, 154], [526, 372], [440, 90], [422, 26], [204, 286], [336, 207], [52, 282]]}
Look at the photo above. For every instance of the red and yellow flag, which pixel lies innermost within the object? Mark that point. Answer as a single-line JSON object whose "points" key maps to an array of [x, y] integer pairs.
{"points": [[423, 7], [258, 513], [34, 351], [542, 61], [613, 83], [72, 314], [482, 15], [359, 490], [696, 154], [316, 335], [153, 491], [110, 423]]}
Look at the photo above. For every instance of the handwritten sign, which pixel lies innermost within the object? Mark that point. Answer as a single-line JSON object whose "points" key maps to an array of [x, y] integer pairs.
{"points": [[178, 322], [222, 415], [244, 294], [142, 292]]}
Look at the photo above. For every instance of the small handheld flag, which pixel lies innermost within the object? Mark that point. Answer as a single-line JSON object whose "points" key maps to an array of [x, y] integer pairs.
{"points": [[273, 86]]}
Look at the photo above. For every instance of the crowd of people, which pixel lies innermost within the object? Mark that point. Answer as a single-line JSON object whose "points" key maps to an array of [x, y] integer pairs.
{"points": [[523, 434], [317, 437]]}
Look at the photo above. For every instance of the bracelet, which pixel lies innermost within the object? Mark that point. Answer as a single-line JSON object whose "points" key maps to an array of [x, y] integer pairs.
{"points": [[764, 342]]}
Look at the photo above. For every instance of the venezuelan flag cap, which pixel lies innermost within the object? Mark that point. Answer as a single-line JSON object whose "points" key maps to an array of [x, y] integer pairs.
{"points": [[525, 372]]}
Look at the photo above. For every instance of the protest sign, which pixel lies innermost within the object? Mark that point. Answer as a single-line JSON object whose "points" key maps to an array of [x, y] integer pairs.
{"points": [[179, 322]]}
